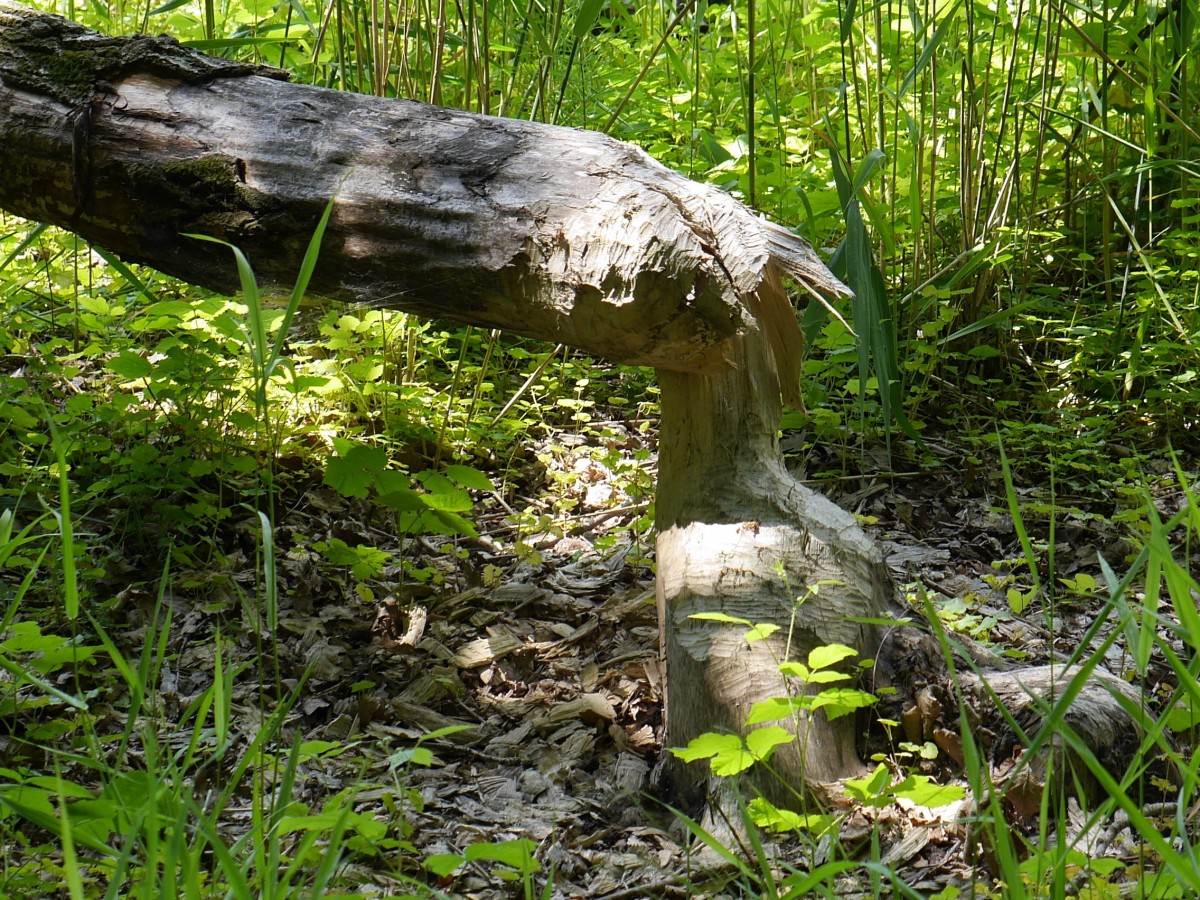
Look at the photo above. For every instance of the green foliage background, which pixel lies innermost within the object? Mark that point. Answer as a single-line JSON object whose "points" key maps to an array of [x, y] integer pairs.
{"points": [[1010, 187]]}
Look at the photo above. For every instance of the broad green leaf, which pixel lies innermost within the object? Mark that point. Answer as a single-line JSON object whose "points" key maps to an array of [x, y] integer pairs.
{"points": [[734, 762], [444, 864], [707, 745], [17, 416], [872, 789], [390, 480], [795, 670], [449, 501], [827, 677], [775, 708], [838, 702], [765, 814], [404, 500], [829, 654], [760, 632], [762, 741], [469, 478], [922, 790], [452, 523], [130, 366], [518, 854], [414, 756], [352, 473]]}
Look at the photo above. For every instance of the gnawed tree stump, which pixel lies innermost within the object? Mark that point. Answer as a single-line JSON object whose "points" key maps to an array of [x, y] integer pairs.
{"points": [[550, 232]]}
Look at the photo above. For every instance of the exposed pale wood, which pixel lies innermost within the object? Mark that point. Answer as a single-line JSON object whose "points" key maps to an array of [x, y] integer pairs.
{"points": [[739, 535]]}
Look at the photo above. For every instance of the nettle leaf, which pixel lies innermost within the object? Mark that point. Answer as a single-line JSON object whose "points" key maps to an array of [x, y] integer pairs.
{"points": [[452, 524], [354, 471], [775, 708], [762, 741], [435, 482], [435, 521], [469, 478], [130, 365], [829, 655]]}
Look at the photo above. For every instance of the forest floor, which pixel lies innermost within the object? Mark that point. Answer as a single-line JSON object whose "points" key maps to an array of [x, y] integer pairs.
{"points": [[544, 652], [548, 661]]}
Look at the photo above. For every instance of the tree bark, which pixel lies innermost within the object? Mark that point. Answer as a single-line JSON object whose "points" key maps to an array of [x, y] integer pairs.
{"points": [[551, 232]]}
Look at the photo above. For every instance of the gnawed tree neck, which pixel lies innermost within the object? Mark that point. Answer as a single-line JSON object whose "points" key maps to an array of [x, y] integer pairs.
{"points": [[552, 232]]}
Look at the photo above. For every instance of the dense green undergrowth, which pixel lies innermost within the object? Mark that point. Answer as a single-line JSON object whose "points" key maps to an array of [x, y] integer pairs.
{"points": [[1023, 185]]}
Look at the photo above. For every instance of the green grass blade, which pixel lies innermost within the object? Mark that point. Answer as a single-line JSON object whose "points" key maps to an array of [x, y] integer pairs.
{"points": [[299, 289]]}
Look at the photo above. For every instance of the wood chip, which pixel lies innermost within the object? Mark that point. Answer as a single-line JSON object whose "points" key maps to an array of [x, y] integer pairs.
{"points": [[483, 651]]}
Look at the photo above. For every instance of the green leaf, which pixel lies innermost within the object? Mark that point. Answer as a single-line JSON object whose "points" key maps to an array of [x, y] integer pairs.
{"points": [[449, 501], [444, 864], [353, 472], [838, 702], [404, 500], [827, 677], [434, 521], [795, 670], [774, 709], [765, 814], [301, 286], [872, 789], [762, 741], [719, 617], [760, 632], [130, 366], [445, 731], [518, 854], [734, 762], [923, 791], [585, 19], [707, 745], [469, 478], [829, 654], [390, 480], [17, 416]]}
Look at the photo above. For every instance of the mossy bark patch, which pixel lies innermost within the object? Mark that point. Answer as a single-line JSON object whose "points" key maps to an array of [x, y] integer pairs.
{"points": [[51, 56]]}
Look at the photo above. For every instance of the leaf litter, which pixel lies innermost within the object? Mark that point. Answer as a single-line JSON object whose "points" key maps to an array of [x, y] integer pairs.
{"points": [[538, 672]]}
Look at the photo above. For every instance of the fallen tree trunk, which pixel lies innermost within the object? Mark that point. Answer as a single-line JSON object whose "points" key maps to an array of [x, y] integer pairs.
{"points": [[551, 232], [555, 233]]}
